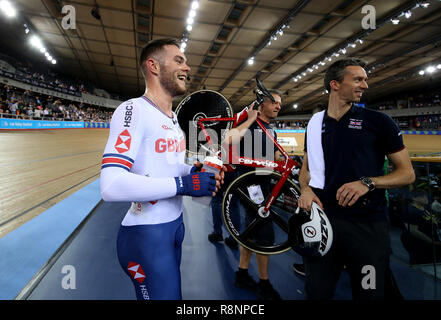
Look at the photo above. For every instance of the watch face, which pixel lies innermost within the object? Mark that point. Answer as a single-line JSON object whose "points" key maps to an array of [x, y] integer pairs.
{"points": [[368, 182]]}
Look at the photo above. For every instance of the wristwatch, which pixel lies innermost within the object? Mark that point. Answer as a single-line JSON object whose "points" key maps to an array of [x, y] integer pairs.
{"points": [[368, 183]]}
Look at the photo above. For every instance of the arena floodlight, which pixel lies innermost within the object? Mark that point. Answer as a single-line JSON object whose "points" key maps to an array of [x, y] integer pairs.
{"points": [[195, 5], [430, 69], [8, 9], [421, 73], [36, 42], [295, 105]]}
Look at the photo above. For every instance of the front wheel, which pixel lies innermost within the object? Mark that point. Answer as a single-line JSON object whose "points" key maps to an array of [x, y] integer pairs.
{"points": [[244, 217]]}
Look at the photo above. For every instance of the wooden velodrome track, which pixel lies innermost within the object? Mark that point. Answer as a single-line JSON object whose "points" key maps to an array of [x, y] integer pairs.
{"points": [[39, 168]]}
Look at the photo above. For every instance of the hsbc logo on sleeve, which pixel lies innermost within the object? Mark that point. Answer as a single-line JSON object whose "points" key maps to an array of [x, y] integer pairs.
{"points": [[123, 142]]}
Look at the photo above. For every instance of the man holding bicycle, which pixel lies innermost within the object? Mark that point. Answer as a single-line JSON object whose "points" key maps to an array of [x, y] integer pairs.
{"points": [[253, 143], [342, 171]]}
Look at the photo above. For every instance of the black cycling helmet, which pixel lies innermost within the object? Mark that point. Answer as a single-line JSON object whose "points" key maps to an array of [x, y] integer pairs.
{"points": [[310, 232]]}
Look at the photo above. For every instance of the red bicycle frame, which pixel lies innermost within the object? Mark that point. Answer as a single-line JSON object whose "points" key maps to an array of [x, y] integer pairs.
{"points": [[284, 167]]}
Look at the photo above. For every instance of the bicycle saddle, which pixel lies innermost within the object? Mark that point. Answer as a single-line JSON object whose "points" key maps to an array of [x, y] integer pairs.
{"points": [[261, 92]]}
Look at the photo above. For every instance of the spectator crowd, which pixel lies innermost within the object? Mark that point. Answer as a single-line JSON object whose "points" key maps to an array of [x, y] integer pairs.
{"points": [[24, 104]]}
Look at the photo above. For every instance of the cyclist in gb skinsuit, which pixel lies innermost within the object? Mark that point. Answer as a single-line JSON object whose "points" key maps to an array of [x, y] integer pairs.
{"points": [[144, 162]]}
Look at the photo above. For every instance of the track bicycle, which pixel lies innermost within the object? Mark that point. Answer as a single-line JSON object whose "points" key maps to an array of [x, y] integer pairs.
{"points": [[267, 195]]}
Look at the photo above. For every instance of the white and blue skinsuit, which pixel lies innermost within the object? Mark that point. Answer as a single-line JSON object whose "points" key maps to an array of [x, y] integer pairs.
{"points": [[144, 152]]}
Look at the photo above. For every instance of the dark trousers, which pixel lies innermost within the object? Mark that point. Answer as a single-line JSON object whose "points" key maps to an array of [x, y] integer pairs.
{"points": [[363, 249]]}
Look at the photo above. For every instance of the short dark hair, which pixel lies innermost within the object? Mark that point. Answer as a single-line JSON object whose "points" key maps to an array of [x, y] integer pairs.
{"points": [[153, 47], [336, 71]]}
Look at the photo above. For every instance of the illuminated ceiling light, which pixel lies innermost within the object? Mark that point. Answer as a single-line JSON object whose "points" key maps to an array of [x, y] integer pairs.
{"points": [[353, 45], [192, 13], [395, 21], [425, 5], [251, 61], [8, 9], [296, 79], [190, 20], [195, 5], [360, 41], [43, 50], [343, 51], [408, 14], [54, 61], [421, 73], [438, 66], [36, 42], [430, 69], [189, 27], [295, 105]]}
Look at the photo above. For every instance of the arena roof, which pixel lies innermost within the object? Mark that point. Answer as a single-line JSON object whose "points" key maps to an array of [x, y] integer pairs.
{"points": [[226, 34]]}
